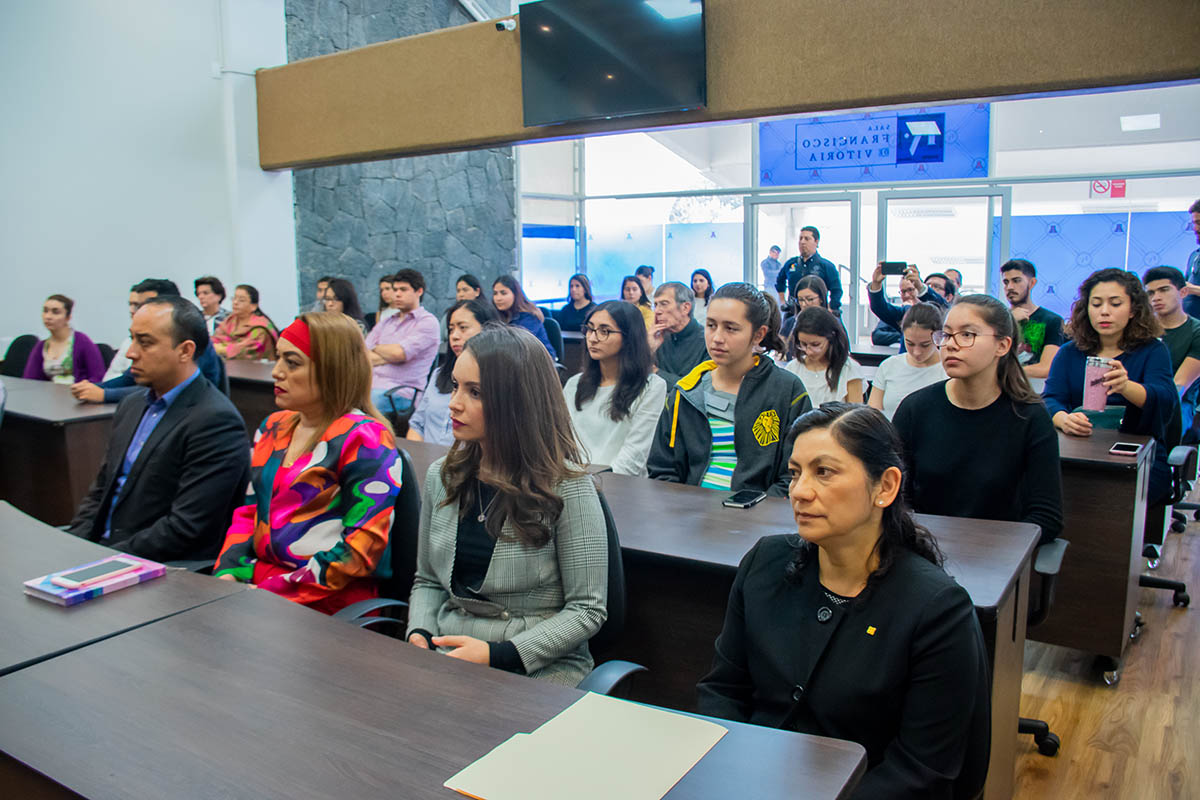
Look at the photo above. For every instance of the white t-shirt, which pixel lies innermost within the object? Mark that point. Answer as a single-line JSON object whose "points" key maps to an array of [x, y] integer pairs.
{"points": [[700, 313], [818, 388], [897, 379], [119, 363], [624, 445]]}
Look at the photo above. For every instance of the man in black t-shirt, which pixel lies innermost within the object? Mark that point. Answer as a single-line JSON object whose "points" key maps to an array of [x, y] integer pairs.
{"points": [[1181, 333], [1041, 329]]}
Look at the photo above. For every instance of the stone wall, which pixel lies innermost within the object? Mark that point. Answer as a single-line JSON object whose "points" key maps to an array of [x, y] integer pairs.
{"points": [[443, 214]]}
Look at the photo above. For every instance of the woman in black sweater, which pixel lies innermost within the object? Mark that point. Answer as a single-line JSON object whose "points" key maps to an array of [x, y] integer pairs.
{"points": [[852, 629], [981, 444]]}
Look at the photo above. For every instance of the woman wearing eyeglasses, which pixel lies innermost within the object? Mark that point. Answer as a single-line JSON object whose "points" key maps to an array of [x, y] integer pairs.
{"points": [[820, 356], [981, 444], [615, 402]]}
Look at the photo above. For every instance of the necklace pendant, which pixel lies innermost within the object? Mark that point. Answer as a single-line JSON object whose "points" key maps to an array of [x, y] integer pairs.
{"points": [[482, 518]]}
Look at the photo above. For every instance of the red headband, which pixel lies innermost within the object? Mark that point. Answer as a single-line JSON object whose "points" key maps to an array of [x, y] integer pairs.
{"points": [[297, 333]]}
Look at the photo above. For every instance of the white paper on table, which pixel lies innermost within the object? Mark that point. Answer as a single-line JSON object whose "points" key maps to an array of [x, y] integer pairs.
{"points": [[597, 748]]}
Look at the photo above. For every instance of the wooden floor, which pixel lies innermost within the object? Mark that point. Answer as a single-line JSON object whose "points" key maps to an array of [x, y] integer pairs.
{"points": [[1140, 738]]}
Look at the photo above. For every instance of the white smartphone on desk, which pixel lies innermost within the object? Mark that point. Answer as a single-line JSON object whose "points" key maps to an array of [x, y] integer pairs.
{"points": [[78, 579]]}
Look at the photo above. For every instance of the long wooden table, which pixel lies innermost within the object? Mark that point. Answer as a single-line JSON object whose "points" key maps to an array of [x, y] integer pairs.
{"points": [[253, 696], [1104, 513], [35, 630], [681, 549], [51, 447], [252, 390]]}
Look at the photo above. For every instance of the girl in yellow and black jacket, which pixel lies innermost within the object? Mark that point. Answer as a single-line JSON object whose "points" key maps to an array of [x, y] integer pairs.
{"points": [[724, 422]]}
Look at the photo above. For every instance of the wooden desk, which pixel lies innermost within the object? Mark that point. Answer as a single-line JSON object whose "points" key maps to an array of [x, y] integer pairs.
{"points": [[681, 549], [573, 347], [871, 355], [35, 630], [253, 696], [51, 447], [1104, 511], [252, 390]]}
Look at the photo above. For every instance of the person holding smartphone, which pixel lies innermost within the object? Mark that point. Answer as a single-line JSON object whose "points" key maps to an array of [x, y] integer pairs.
{"points": [[1112, 319], [981, 444], [724, 421], [850, 628], [912, 290]]}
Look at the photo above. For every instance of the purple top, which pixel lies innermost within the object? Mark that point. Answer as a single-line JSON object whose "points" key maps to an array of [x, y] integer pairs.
{"points": [[88, 363], [417, 333]]}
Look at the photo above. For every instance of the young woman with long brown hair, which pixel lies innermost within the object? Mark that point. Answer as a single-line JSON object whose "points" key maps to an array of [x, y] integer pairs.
{"points": [[981, 444], [324, 475], [514, 308], [1112, 319], [512, 563]]}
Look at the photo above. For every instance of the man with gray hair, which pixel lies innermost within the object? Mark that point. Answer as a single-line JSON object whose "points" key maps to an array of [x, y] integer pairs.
{"points": [[677, 341]]}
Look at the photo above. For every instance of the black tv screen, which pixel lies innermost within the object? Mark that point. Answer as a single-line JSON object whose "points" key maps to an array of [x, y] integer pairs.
{"points": [[597, 59]]}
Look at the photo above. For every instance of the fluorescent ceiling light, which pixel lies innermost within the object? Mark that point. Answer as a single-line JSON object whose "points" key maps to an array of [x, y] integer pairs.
{"points": [[1141, 122], [675, 9]]}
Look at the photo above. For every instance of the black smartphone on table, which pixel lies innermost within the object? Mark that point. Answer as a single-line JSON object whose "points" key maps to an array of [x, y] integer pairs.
{"points": [[744, 499]]}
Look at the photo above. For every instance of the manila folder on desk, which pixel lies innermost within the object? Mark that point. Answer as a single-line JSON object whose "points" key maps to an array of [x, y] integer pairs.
{"points": [[599, 747]]}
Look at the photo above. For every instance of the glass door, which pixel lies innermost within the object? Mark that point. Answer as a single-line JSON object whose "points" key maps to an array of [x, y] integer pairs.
{"points": [[777, 220], [940, 229]]}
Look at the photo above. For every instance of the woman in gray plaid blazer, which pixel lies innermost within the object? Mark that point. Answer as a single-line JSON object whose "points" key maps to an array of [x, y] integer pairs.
{"points": [[512, 560]]}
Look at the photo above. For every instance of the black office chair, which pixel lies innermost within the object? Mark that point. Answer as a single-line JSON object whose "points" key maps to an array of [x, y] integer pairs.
{"points": [[1183, 462], [1047, 562], [400, 418], [17, 355], [554, 334], [222, 377], [107, 353], [603, 679]]}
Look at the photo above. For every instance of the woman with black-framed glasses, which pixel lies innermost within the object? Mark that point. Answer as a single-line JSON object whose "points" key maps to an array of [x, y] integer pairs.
{"points": [[981, 443], [615, 402]]}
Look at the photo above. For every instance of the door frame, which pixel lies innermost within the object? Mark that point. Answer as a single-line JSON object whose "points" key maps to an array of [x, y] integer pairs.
{"points": [[989, 192], [750, 259]]}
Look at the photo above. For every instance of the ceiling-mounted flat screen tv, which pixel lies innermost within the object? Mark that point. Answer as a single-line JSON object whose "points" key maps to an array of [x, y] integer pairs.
{"points": [[598, 59]]}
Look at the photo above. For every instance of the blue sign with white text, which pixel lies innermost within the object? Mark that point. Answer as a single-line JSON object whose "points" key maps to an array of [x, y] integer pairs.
{"points": [[912, 145]]}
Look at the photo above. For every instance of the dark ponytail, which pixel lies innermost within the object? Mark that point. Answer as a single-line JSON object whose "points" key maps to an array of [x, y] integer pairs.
{"points": [[1014, 383], [867, 435], [761, 310]]}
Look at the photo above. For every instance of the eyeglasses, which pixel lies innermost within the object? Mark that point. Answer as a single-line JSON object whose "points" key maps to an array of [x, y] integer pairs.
{"points": [[963, 339], [601, 334]]}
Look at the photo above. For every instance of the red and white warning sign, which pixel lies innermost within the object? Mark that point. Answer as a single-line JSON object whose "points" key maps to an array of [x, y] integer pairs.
{"points": [[1113, 189]]}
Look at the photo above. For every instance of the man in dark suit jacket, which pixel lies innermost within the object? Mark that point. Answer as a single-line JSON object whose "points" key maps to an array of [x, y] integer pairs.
{"points": [[178, 460]]}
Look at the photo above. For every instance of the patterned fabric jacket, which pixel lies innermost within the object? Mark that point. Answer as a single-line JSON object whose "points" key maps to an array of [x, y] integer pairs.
{"points": [[325, 519], [253, 339]]}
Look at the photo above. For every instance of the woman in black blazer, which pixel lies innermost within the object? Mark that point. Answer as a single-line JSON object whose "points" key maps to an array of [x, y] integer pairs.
{"points": [[852, 629]]}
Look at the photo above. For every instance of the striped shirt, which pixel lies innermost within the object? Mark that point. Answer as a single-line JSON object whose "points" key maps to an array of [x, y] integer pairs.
{"points": [[719, 474]]}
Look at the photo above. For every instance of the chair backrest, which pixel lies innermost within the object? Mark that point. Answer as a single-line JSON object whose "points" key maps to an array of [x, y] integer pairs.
{"points": [[614, 626], [17, 355], [405, 531], [107, 353], [554, 334], [222, 377]]}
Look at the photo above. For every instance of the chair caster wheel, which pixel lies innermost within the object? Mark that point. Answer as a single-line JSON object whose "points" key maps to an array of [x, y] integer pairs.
{"points": [[1112, 677], [1178, 527], [1181, 599], [1048, 744], [1152, 563]]}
